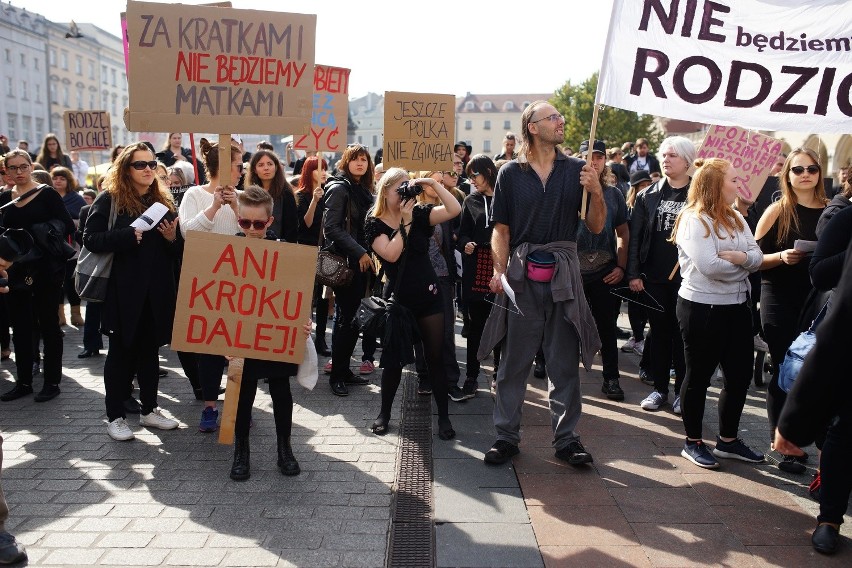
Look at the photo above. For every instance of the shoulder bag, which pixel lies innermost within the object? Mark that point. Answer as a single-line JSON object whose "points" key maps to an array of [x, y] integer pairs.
{"points": [[796, 353], [91, 276], [372, 311], [332, 269]]}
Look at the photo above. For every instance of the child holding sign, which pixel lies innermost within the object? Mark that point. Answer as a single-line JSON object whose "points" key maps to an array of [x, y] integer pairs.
{"points": [[255, 218]]}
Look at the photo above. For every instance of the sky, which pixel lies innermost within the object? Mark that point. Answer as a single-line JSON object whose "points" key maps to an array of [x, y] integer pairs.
{"points": [[441, 46]]}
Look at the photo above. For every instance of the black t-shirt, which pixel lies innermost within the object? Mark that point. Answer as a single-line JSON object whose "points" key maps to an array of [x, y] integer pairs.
{"points": [[662, 256]]}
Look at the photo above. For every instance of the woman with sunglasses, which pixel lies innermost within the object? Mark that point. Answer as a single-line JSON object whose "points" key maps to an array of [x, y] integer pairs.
{"points": [[266, 171], [310, 207], [34, 286], [139, 308], [348, 198], [65, 184], [51, 154], [785, 282], [213, 209]]}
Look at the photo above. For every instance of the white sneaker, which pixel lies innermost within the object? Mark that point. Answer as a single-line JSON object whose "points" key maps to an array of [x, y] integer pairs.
{"points": [[760, 344], [119, 430], [676, 406], [639, 348], [157, 420], [654, 401], [629, 345]]}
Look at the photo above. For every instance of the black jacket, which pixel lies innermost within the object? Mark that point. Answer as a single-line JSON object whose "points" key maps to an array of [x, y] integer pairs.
{"points": [[641, 224], [286, 221], [837, 203], [476, 226], [168, 159], [142, 273], [340, 193]]}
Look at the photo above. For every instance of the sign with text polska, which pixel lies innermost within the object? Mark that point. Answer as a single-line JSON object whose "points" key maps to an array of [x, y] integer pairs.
{"points": [[87, 130], [419, 131], [761, 64], [211, 69], [244, 297], [752, 154], [330, 116]]}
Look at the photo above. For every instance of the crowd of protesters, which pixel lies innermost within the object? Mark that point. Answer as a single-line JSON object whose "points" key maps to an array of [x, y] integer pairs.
{"points": [[663, 233]]}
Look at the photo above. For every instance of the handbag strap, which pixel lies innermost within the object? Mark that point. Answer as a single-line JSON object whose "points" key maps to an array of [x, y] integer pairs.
{"points": [[402, 262], [113, 213], [33, 191], [819, 317], [348, 221]]}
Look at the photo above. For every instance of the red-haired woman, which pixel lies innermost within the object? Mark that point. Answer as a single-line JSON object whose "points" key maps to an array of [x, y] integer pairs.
{"points": [[310, 209]]}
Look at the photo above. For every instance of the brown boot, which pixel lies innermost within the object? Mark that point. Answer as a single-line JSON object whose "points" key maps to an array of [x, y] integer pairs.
{"points": [[62, 315], [76, 317]]}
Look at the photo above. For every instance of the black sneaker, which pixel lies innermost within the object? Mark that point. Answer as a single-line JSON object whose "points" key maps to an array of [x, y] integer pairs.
{"points": [[574, 453], [737, 450], [424, 387], [47, 392], [16, 392], [612, 389], [456, 394], [645, 377], [790, 464], [501, 452], [11, 551], [354, 379], [469, 388]]}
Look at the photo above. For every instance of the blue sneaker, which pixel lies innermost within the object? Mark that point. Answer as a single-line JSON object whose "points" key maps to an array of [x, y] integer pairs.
{"points": [[736, 450], [697, 453], [209, 420]]}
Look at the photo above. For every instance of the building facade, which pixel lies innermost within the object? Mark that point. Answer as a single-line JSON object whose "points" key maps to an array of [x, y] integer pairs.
{"points": [[368, 114], [483, 120]]}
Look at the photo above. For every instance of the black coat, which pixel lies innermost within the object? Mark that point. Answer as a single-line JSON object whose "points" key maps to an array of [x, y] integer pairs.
{"points": [[168, 159], [142, 273], [286, 221], [641, 224], [340, 193]]}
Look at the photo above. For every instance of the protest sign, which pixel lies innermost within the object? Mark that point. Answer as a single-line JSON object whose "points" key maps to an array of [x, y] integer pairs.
{"points": [[761, 64], [752, 154], [244, 297], [419, 131], [330, 116], [219, 69], [87, 130]]}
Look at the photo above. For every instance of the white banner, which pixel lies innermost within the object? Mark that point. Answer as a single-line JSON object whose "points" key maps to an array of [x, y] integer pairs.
{"points": [[761, 64]]}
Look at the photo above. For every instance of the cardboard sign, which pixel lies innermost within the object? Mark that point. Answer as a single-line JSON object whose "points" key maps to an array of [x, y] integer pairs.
{"points": [[752, 154], [330, 117], [87, 130], [244, 297], [419, 131], [200, 68]]}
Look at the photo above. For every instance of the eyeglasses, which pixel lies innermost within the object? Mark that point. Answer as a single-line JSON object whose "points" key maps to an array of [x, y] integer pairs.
{"points": [[555, 117], [473, 174], [799, 170], [451, 174], [16, 169], [249, 224], [164, 179], [140, 165]]}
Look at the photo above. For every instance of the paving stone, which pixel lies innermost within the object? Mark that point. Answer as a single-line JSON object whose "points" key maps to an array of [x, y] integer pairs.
{"points": [[591, 556], [134, 557], [585, 526], [486, 545], [126, 540], [69, 557]]}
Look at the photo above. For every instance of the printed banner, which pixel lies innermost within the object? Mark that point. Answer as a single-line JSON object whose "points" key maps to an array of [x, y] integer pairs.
{"points": [[761, 64], [752, 154], [210, 69], [244, 297], [419, 131], [87, 130], [330, 117]]}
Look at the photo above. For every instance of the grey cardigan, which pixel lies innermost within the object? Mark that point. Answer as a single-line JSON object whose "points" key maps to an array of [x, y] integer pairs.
{"points": [[567, 290]]}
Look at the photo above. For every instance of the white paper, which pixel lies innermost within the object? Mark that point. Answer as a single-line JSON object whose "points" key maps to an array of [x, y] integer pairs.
{"points": [[308, 373], [150, 218], [805, 246], [509, 292]]}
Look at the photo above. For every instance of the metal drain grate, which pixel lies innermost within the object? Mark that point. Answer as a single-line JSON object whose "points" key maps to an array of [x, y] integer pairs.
{"points": [[411, 537]]}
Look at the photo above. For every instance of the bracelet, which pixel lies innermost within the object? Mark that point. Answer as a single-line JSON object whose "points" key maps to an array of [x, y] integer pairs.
{"points": [[621, 268], [781, 257]]}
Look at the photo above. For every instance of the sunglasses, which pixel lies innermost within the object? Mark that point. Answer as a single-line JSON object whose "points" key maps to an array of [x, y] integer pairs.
{"points": [[473, 174], [451, 174], [799, 170], [140, 165], [249, 224]]}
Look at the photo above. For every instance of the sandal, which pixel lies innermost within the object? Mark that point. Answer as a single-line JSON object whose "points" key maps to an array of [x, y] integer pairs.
{"points": [[380, 426], [445, 429]]}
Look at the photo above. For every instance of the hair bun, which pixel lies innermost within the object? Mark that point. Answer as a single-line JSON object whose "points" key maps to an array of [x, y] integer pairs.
{"points": [[699, 162], [205, 145]]}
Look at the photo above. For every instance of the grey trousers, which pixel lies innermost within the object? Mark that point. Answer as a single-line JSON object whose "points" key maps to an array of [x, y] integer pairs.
{"points": [[542, 324]]}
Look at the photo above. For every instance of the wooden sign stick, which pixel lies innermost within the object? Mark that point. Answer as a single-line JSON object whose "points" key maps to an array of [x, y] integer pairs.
{"points": [[585, 207], [674, 270]]}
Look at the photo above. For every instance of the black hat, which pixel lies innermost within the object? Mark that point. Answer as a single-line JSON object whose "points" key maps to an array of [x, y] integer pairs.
{"points": [[599, 147], [461, 143], [15, 243], [638, 177]]}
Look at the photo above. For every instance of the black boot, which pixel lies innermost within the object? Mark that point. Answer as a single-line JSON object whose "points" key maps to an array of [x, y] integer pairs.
{"points": [[240, 471], [286, 460]]}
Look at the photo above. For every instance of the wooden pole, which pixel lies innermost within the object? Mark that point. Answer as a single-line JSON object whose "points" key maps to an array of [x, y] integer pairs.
{"points": [[194, 158], [674, 270], [95, 175], [585, 207], [232, 397]]}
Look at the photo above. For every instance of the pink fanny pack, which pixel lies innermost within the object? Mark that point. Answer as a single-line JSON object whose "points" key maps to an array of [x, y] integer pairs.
{"points": [[540, 266]]}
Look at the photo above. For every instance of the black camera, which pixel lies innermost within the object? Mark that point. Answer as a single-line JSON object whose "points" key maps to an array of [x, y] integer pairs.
{"points": [[4, 282], [408, 191]]}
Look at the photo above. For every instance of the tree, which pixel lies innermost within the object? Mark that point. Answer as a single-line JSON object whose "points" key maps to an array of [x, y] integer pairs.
{"points": [[615, 126]]}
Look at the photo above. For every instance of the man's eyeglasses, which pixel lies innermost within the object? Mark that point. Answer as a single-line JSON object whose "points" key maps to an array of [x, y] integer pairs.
{"points": [[249, 224], [555, 117], [799, 170], [451, 174], [140, 165], [16, 169]]}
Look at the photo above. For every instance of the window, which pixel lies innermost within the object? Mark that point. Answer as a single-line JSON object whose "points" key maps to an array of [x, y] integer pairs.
{"points": [[468, 124], [63, 59], [65, 95], [24, 94], [10, 87], [114, 134], [38, 92], [508, 105], [39, 133], [13, 126], [23, 60], [486, 146], [91, 69], [35, 63], [51, 57], [114, 83], [91, 101], [112, 107], [487, 125], [8, 55], [79, 98], [360, 139], [507, 125], [53, 97], [525, 104], [486, 105], [104, 100], [375, 143], [78, 65], [103, 73], [468, 105], [26, 127], [123, 103]]}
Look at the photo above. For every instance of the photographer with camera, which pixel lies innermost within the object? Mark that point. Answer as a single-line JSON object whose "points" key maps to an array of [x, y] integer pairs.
{"points": [[399, 232]]}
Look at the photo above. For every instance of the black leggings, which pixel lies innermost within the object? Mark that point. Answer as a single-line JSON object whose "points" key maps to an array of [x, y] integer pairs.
{"points": [[638, 316], [345, 336], [432, 333], [667, 347], [282, 406], [68, 287], [836, 469]]}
